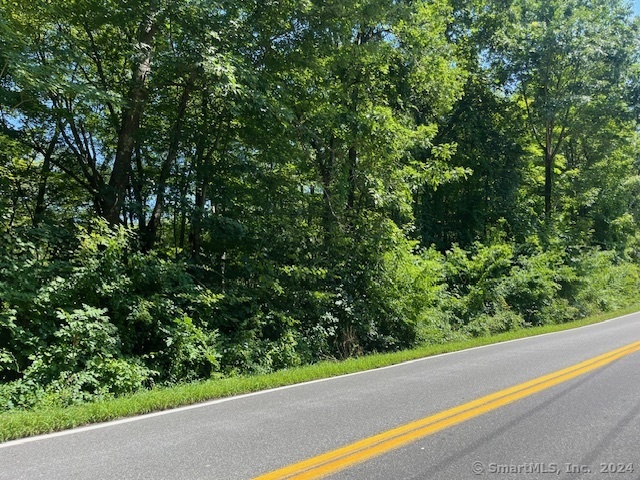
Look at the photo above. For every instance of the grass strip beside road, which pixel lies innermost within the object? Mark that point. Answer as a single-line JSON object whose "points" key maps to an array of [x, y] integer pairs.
{"points": [[20, 424]]}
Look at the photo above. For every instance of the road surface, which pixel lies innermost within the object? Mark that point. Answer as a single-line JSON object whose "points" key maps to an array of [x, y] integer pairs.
{"points": [[580, 424]]}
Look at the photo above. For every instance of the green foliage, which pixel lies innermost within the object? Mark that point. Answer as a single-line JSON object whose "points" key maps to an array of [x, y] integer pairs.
{"points": [[190, 190], [534, 285], [82, 362], [500, 322], [474, 277], [192, 351], [131, 330], [606, 282]]}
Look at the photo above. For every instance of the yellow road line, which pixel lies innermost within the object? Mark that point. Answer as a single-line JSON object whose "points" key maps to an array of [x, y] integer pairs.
{"points": [[349, 455]]}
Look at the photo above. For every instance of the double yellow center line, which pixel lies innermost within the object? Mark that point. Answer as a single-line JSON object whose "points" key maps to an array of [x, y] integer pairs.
{"points": [[358, 452]]}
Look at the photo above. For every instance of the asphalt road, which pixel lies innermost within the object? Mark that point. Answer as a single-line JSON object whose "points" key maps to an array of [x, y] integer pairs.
{"points": [[585, 428]]}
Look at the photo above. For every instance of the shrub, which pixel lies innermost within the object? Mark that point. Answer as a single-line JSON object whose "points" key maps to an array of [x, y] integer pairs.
{"points": [[502, 321], [533, 285], [606, 282], [83, 362]]}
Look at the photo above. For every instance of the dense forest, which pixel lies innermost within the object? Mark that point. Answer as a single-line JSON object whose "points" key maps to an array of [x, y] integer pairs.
{"points": [[196, 189]]}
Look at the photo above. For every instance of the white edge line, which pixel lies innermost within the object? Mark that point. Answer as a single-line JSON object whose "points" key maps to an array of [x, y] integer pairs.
{"points": [[145, 416]]}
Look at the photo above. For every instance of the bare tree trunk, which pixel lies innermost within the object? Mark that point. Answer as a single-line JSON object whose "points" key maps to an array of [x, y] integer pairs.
{"points": [[351, 195], [352, 156], [205, 151], [549, 155], [201, 183], [326, 164], [174, 144], [40, 207], [115, 191], [137, 182]]}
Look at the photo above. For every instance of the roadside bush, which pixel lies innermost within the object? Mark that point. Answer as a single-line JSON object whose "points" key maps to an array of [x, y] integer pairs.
{"points": [[606, 282], [83, 362], [473, 280], [191, 353], [534, 285], [438, 327], [108, 321], [502, 321], [384, 286], [91, 317]]}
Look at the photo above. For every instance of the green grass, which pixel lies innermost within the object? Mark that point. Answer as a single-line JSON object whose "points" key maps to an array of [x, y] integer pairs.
{"points": [[18, 424]]}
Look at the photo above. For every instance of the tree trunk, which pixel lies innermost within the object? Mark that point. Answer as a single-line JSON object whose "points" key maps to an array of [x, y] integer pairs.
{"points": [[351, 195], [195, 236], [154, 222], [326, 162], [115, 193], [352, 156], [549, 155], [548, 184], [40, 207]]}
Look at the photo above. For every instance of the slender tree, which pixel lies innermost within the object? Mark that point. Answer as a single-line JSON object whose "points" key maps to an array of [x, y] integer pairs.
{"points": [[560, 58]]}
